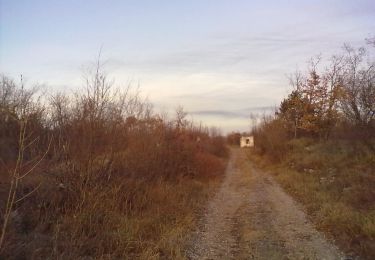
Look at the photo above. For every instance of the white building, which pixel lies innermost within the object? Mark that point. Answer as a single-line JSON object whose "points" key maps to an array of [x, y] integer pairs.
{"points": [[247, 141]]}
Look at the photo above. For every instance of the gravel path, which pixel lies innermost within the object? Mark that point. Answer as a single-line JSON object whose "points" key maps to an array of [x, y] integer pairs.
{"points": [[251, 217]]}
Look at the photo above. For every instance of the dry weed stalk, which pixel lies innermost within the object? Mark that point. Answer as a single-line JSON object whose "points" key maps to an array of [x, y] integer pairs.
{"points": [[17, 176]]}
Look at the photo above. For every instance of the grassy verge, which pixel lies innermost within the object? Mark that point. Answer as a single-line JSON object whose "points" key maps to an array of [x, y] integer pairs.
{"points": [[335, 181]]}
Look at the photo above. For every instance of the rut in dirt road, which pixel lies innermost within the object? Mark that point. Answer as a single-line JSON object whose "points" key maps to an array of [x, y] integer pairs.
{"points": [[251, 217]]}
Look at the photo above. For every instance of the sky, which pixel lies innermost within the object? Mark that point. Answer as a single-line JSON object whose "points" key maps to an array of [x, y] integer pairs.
{"points": [[219, 59]]}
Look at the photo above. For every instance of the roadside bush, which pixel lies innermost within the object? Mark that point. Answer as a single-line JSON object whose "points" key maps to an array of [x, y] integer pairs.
{"points": [[271, 138], [234, 138]]}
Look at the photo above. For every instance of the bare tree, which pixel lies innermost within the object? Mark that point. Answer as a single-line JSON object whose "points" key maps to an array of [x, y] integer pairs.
{"points": [[296, 80], [358, 83], [180, 117]]}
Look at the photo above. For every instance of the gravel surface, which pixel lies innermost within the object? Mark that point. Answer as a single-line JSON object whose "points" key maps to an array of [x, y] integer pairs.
{"points": [[251, 217]]}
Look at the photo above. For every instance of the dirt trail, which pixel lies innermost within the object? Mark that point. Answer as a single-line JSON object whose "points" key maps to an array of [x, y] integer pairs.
{"points": [[251, 217]]}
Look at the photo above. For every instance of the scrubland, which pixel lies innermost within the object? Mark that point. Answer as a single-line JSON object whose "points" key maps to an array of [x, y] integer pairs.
{"points": [[98, 174]]}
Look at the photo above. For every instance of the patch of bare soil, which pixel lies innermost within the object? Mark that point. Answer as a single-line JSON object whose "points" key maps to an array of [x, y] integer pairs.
{"points": [[251, 217]]}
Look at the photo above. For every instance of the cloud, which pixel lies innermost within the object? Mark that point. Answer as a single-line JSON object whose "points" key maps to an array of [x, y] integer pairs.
{"points": [[239, 113], [217, 113]]}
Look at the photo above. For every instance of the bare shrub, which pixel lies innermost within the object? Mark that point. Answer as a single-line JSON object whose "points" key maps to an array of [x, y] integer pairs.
{"points": [[271, 137]]}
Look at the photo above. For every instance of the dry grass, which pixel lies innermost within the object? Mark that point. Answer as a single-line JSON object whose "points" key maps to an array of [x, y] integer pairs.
{"points": [[153, 225], [335, 181], [134, 219]]}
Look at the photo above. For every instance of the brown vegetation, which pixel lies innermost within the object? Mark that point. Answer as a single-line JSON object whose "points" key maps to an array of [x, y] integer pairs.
{"points": [[321, 147], [99, 174], [234, 138]]}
